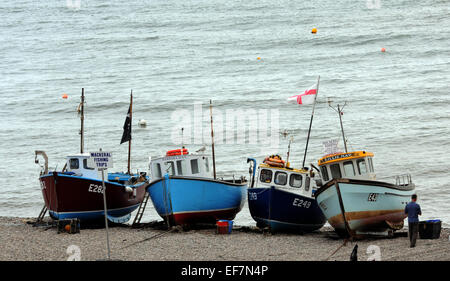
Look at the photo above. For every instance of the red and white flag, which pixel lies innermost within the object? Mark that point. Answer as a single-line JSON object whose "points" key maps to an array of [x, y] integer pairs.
{"points": [[308, 97]]}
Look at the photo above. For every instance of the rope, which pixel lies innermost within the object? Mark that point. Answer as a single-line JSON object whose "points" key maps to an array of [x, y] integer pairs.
{"points": [[149, 238], [345, 242]]}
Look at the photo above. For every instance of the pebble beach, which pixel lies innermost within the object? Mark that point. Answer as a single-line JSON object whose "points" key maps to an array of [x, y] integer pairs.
{"points": [[21, 241]]}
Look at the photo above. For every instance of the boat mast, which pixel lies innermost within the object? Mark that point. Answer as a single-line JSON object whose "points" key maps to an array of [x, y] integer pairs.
{"points": [[340, 112], [82, 121], [310, 123], [131, 122], [212, 139]]}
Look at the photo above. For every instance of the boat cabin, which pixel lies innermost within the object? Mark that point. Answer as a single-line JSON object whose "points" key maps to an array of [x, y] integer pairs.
{"points": [[82, 165], [289, 179], [351, 165], [181, 164]]}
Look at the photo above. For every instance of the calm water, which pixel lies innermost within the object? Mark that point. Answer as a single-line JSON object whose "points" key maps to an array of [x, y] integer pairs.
{"points": [[175, 53]]}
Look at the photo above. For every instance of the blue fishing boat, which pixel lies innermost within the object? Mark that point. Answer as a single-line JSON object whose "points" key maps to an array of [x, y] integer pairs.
{"points": [[281, 198], [184, 190]]}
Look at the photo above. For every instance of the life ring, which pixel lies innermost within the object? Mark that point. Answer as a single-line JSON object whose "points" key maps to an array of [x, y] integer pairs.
{"points": [[177, 152]]}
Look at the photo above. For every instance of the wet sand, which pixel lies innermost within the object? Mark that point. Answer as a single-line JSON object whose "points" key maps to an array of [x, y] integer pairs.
{"points": [[21, 241]]}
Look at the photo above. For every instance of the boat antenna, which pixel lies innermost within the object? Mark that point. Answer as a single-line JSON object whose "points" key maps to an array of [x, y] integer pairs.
{"points": [[82, 121], [340, 112], [310, 123], [212, 139], [289, 149], [182, 129]]}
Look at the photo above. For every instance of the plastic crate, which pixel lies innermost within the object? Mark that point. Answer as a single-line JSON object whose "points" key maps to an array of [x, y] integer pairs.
{"points": [[224, 226], [430, 229]]}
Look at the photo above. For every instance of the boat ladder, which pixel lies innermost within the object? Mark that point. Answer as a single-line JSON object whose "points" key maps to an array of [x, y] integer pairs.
{"points": [[140, 212], [41, 214]]}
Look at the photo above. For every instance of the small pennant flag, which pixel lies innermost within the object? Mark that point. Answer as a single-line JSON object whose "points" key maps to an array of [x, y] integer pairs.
{"points": [[127, 127], [308, 97]]}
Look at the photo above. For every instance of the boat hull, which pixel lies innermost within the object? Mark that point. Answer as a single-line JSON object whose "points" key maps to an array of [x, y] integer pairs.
{"points": [[70, 197], [358, 206], [284, 211], [188, 200]]}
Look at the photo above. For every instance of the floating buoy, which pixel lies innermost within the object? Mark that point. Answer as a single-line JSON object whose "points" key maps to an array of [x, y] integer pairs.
{"points": [[142, 123], [67, 227], [258, 58], [383, 50], [65, 96], [314, 30]]}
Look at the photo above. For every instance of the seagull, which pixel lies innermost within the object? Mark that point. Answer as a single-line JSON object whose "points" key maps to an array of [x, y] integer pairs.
{"points": [[201, 149]]}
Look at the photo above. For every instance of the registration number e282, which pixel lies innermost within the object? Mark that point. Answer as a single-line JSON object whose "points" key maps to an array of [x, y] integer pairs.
{"points": [[95, 188]]}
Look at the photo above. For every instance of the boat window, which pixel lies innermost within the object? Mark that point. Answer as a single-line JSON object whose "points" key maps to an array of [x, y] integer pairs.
{"points": [[194, 166], [362, 166], [170, 168], [280, 178], [295, 180], [74, 164], [181, 167], [348, 168], [307, 183], [370, 165], [335, 171], [207, 164], [86, 164], [157, 170], [324, 173], [265, 176]]}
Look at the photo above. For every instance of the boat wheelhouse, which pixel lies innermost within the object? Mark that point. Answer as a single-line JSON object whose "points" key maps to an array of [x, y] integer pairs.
{"points": [[184, 191], [354, 165], [281, 198]]}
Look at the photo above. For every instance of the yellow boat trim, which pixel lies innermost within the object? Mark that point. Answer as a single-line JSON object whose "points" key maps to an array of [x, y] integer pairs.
{"points": [[283, 169], [338, 157]]}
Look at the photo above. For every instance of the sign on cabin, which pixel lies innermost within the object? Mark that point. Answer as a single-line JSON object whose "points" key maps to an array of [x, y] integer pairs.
{"points": [[102, 159], [331, 147]]}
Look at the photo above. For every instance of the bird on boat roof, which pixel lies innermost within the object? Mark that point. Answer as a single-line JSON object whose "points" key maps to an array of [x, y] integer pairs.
{"points": [[201, 149]]}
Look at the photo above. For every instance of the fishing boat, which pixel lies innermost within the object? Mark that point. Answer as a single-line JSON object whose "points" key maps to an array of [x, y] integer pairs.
{"points": [[354, 202], [76, 191], [185, 189], [282, 198]]}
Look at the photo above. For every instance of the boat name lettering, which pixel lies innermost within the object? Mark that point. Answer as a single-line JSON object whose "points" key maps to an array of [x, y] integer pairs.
{"points": [[337, 157], [301, 203], [95, 188], [43, 185]]}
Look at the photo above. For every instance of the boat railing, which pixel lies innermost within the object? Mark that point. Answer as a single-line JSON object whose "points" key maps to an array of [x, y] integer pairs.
{"points": [[403, 180], [400, 180]]}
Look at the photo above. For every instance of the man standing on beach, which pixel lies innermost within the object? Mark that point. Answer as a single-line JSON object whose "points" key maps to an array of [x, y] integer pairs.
{"points": [[413, 211]]}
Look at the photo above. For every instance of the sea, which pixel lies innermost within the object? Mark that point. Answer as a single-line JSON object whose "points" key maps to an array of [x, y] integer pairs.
{"points": [[386, 64]]}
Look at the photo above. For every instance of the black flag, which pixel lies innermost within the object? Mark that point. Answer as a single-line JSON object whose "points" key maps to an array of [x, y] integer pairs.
{"points": [[127, 128]]}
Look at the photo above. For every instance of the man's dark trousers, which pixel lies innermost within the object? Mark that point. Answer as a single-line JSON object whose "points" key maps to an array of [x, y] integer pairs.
{"points": [[413, 229]]}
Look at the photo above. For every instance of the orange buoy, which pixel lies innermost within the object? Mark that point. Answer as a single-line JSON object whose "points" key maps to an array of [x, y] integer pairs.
{"points": [[314, 30], [258, 58], [67, 227], [65, 96], [383, 50]]}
